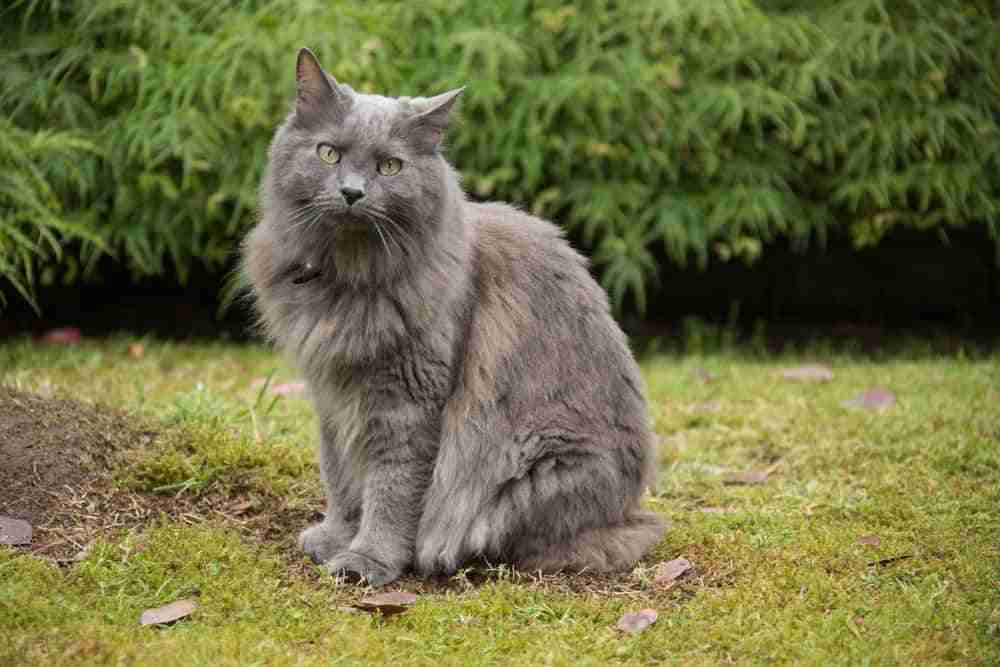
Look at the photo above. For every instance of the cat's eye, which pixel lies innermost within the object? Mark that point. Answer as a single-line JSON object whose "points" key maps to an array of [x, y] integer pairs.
{"points": [[328, 153], [389, 167]]}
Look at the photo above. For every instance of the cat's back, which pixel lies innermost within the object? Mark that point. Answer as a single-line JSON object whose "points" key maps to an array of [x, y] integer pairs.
{"points": [[543, 343], [530, 256], [539, 316]]}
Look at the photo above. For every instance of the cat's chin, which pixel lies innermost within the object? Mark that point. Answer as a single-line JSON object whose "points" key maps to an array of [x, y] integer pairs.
{"points": [[352, 227]]}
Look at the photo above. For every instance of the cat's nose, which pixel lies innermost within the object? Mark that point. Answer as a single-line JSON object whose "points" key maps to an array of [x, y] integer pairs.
{"points": [[351, 195]]}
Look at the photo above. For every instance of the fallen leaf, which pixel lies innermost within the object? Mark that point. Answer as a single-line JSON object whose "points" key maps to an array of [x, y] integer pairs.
{"points": [[14, 531], [168, 613], [877, 399], [710, 406], [636, 621], [808, 373], [62, 336], [388, 604], [137, 350], [745, 478], [668, 572], [870, 540], [288, 388]]}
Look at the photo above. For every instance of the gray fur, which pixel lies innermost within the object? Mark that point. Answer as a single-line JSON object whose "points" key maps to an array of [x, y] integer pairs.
{"points": [[476, 399]]}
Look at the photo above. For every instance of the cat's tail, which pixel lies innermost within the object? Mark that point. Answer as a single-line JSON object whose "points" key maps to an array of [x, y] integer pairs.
{"points": [[606, 549]]}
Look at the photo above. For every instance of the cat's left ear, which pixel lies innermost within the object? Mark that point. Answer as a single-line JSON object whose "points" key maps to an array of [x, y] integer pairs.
{"points": [[428, 126]]}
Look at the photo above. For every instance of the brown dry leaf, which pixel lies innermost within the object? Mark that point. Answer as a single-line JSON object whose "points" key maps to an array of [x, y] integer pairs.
{"points": [[14, 531], [746, 478], [870, 540], [388, 604], [137, 350], [808, 373], [668, 572], [168, 613], [636, 621]]}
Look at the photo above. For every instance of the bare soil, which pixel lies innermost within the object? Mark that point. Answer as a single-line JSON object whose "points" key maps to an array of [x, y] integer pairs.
{"points": [[52, 446], [58, 462]]}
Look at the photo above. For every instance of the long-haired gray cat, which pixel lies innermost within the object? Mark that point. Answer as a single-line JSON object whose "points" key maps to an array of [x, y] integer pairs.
{"points": [[476, 400]]}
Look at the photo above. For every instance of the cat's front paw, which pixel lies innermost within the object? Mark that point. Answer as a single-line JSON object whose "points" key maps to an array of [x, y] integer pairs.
{"points": [[357, 567], [321, 542]]}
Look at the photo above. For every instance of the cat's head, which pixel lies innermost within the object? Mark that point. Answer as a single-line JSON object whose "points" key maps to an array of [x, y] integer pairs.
{"points": [[349, 167]]}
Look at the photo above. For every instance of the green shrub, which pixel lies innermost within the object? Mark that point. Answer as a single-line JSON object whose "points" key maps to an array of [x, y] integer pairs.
{"points": [[710, 128]]}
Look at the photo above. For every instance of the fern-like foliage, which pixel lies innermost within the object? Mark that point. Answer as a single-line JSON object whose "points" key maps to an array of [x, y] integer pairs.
{"points": [[650, 127]]}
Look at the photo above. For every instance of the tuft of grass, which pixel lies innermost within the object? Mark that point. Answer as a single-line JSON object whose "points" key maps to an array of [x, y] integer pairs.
{"points": [[199, 457], [779, 572]]}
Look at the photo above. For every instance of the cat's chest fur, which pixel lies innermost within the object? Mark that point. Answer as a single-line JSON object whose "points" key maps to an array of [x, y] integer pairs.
{"points": [[374, 370], [382, 345], [347, 328]]}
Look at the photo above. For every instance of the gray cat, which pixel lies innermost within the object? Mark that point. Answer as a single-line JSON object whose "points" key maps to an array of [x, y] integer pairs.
{"points": [[476, 400]]}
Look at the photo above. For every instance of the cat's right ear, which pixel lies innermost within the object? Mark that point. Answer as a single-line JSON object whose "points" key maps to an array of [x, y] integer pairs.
{"points": [[318, 94]]}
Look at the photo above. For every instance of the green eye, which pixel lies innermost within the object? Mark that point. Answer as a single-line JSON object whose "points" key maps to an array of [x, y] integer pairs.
{"points": [[390, 167], [328, 153]]}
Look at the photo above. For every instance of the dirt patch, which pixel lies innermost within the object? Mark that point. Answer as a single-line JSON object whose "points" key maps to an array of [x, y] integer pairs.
{"points": [[57, 463], [50, 446]]}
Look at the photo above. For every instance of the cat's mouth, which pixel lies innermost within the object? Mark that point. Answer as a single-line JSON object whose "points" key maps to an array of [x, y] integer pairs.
{"points": [[305, 273]]}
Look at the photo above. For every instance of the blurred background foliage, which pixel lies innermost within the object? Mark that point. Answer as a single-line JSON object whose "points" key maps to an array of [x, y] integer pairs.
{"points": [[656, 131]]}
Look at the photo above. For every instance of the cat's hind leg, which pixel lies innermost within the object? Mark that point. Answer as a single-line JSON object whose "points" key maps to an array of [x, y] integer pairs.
{"points": [[563, 511], [570, 512]]}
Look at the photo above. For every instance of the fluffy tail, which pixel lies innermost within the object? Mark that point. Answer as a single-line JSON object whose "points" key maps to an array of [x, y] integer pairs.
{"points": [[605, 549]]}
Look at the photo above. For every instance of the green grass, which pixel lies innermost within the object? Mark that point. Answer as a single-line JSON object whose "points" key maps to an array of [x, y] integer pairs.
{"points": [[780, 577]]}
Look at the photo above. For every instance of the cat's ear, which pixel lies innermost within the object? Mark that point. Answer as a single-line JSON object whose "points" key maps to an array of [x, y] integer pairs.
{"points": [[317, 93], [427, 127]]}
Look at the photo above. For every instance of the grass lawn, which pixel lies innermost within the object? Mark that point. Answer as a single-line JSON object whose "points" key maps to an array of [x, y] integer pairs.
{"points": [[227, 479]]}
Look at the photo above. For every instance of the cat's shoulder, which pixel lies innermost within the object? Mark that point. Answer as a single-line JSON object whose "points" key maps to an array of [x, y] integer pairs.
{"points": [[505, 233], [497, 217]]}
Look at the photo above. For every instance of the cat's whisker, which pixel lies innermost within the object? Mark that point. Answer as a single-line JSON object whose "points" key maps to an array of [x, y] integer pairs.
{"points": [[294, 220], [392, 225], [378, 228], [305, 215]]}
